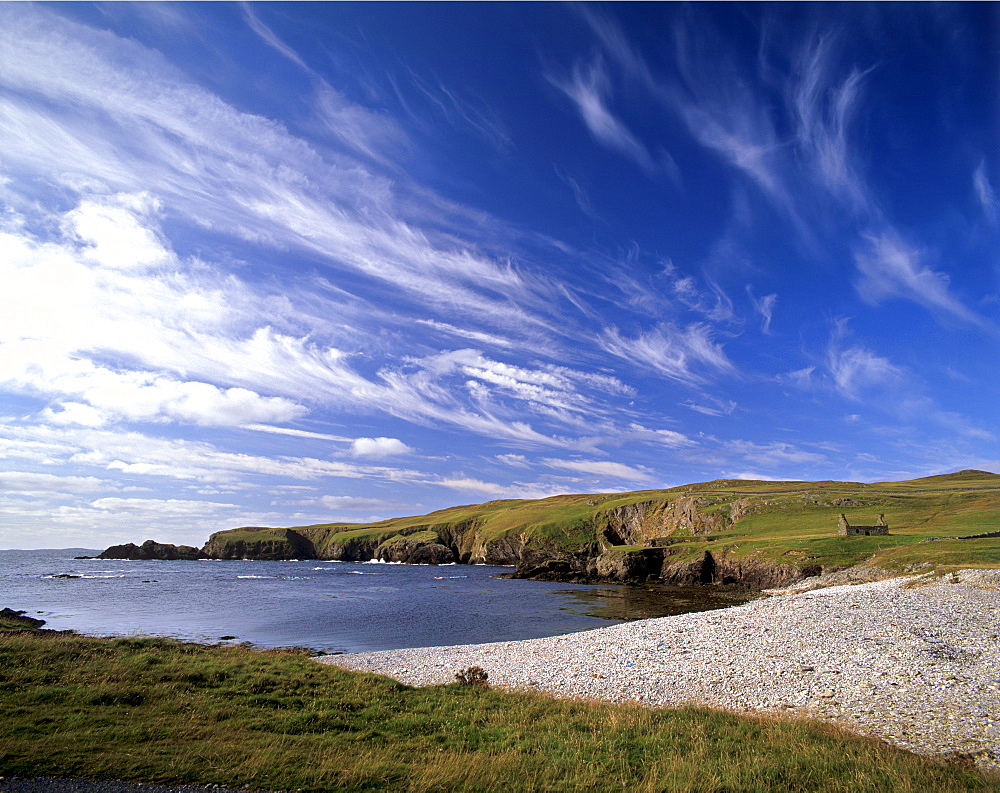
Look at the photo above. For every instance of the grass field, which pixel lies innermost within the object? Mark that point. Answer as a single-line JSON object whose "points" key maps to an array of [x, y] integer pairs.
{"points": [[154, 710], [792, 523]]}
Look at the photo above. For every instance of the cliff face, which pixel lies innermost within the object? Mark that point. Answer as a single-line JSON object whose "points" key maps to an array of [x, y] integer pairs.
{"points": [[414, 552], [613, 545], [646, 522], [758, 534], [267, 544]]}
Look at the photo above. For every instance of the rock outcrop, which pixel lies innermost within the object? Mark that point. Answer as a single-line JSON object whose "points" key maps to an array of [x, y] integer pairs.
{"points": [[727, 531], [151, 549], [20, 619], [257, 543], [402, 549]]}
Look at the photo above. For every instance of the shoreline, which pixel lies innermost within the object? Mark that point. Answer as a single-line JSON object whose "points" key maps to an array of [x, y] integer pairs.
{"points": [[914, 661]]}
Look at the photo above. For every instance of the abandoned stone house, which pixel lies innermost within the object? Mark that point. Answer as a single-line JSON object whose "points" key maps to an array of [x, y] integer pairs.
{"points": [[847, 530]]}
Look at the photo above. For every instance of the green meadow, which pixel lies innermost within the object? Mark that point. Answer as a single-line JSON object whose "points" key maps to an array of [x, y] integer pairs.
{"points": [[154, 710], [790, 523]]}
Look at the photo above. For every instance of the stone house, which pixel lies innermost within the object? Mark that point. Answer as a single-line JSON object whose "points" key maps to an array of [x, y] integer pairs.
{"points": [[847, 530]]}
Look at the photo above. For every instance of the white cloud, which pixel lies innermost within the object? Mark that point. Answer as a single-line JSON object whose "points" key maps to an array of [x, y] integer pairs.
{"points": [[74, 413], [63, 308], [588, 90], [322, 436], [133, 396], [776, 455], [161, 506], [41, 452], [765, 307], [135, 332], [115, 236], [474, 335], [670, 438], [688, 355], [715, 407], [986, 194], [889, 268], [515, 460], [135, 454], [229, 171], [26, 483], [270, 38], [476, 486], [800, 378], [754, 477], [379, 447], [824, 111], [857, 370], [349, 503], [600, 468]]}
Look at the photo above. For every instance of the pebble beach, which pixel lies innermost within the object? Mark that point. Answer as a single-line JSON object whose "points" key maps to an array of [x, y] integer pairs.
{"points": [[914, 661]]}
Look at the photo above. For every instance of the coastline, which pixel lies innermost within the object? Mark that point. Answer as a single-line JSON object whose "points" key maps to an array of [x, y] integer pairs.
{"points": [[914, 661]]}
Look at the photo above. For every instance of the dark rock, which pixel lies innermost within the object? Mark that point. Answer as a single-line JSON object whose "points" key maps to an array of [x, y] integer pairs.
{"points": [[351, 550], [20, 618], [151, 549], [265, 544], [127, 551], [630, 567], [414, 552]]}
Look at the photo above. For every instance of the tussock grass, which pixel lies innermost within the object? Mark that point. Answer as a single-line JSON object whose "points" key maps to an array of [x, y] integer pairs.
{"points": [[155, 710]]}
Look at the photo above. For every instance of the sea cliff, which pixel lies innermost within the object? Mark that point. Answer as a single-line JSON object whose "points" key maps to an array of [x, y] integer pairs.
{"points": [[752, 534]]}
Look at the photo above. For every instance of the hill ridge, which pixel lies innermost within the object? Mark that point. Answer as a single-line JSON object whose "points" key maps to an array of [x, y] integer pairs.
{"points": [[756, 533]]}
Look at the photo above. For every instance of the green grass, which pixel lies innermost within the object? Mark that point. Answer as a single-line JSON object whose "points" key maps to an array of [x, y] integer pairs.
{"points": [[779, 522], [250, 534], [154, 710]]}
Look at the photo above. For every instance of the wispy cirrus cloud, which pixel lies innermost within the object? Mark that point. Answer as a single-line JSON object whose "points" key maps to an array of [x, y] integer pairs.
{"points": [[824, 106], [711, 406], [228, 170], [765, 307], [132, 453], [775, 455], [209, 349], [986, 194], [789, 129], [270, 38], [858, 370], [28, 483], [463, 112], [686, 354], [602, 468], [889, 268], [589, 89]]}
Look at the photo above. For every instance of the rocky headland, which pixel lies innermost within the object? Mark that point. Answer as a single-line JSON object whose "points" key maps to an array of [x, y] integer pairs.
{"points": [[151, 549], [750, 534]]}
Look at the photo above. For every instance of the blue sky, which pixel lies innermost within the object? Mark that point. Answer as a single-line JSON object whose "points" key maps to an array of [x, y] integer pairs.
{"points": [[279, 264]]}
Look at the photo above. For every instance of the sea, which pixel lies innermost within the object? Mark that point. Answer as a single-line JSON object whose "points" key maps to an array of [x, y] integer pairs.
{"points": [[325, 606]]}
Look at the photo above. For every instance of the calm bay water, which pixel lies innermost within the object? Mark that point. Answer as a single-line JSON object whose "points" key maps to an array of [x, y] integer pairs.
{"points": [[327, 606]]}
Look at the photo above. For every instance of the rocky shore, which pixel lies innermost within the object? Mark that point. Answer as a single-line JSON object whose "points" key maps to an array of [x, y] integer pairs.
{"points": [[914, 661]]}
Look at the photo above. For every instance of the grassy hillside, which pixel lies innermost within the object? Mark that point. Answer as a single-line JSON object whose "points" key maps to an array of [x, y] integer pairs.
{"points": [[773, 523], [154, 710]]}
